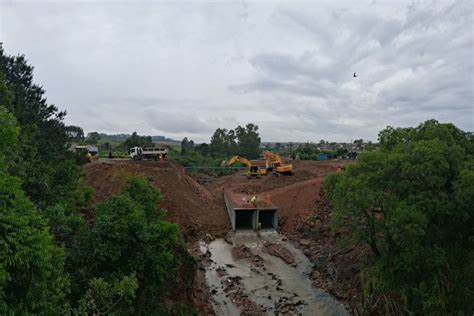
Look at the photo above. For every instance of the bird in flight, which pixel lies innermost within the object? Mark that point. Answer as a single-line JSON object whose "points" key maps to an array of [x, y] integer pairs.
{"points": [[355, 76]]}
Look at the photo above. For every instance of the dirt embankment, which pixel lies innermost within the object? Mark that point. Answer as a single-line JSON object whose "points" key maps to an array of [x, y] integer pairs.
{"points": [[304, 214], [295, 196], [199, 209], [336, 266], [187, 203]]}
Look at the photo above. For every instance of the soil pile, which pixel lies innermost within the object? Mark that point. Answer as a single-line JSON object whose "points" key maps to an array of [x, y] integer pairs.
{"points": [[200, 208], [187, 203], [295, 196]]}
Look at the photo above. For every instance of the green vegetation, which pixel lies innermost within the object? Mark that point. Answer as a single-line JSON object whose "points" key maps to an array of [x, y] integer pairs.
{"points": [[52, 261], [129, 244], [410, 203], [243, 141], [136, 140], [31, 266]]}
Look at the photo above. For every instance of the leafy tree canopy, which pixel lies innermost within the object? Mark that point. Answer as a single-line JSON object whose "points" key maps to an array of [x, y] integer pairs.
{"points": [[243, 141], [137, 140], [31, 267], [411, 203]]}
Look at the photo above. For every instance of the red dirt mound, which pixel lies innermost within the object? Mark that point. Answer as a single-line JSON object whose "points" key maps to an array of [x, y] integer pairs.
{"points": [[295, 196], [200, 209], [187, 203], [296, 202]]}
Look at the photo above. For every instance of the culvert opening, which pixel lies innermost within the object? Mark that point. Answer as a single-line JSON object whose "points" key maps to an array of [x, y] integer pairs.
{"points": [[267, 219], [244, 219]]}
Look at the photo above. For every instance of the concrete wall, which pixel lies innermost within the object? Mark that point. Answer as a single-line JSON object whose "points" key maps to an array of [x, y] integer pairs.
{"points": [[248, 218]]}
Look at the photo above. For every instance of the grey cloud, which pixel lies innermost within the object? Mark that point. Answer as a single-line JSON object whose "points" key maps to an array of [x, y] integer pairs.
{"points": [[419, 62], [175, 122], [184, 69]]}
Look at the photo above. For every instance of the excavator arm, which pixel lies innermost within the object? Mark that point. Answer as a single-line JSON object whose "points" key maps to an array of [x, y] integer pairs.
{"points": [[236, 159], [278, 164], [273, 157], [253, 171]]}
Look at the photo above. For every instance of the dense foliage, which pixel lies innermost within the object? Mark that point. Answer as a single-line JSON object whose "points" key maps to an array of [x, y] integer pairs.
{"points": [[31, 266], [243, 141], [410, 203], [52, 261], [129, 241], [137, 140]]}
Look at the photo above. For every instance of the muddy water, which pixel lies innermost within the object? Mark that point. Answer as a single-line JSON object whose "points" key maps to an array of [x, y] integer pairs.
{"points": [[273, 286]]}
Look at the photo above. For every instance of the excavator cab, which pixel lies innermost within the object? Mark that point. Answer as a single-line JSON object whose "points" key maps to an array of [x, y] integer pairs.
{"points": [[277, 165], [253, 170]]}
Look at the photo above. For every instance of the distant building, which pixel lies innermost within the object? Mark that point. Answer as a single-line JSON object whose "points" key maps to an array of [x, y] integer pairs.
{"points": [[322, 156]]}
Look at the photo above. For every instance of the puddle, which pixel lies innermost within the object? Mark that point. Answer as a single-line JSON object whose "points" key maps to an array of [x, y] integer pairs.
{"points": [[253, 276]]}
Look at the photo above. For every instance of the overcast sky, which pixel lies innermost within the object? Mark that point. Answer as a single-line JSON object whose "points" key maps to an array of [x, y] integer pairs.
{"points": [[186, 68]]}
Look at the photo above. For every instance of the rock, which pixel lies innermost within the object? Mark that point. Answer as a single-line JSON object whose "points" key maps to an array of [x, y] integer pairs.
{"points": [[305, 242], [278, 250]]}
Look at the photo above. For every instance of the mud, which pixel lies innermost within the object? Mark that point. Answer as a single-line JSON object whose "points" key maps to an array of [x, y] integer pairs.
{"points": [[260, 283], [304, 213]]}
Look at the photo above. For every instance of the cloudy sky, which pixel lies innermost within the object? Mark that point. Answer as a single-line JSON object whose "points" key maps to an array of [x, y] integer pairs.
{"points": [[186, 68]]}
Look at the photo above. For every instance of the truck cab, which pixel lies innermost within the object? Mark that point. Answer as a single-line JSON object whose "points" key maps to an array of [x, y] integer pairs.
{"points": [[135, 153], [156, 153]]}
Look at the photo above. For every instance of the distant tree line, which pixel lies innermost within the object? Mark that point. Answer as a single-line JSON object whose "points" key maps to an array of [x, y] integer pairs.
{"points": [[242, 141]]}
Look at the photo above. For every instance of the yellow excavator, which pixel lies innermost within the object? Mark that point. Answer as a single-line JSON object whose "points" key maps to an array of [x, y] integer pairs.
{"points": [[253, 171], [276, 163]]}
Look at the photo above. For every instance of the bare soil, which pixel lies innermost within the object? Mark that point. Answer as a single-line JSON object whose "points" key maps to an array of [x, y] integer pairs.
{"points": [[304, 214], [187, 203]]}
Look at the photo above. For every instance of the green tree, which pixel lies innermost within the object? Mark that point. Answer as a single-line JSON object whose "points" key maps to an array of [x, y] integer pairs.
{"points": [[219, 146], [248, 141], [75, 133], [130, 238], [31, 267], [109, 298], [409, 203], [43, 135], [185, 143], [8, 133], [307, 152], [137, 140], [93, 138]]}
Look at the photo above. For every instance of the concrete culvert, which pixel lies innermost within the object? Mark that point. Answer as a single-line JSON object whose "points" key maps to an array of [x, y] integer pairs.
{"points": [[268, 219], [245, 219]]}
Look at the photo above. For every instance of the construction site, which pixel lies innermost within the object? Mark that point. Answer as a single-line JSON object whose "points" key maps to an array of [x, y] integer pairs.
{"points": [[263, 242]]}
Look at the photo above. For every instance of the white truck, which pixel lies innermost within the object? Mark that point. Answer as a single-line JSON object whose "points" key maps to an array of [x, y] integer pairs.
{"points": [[156, 153]]}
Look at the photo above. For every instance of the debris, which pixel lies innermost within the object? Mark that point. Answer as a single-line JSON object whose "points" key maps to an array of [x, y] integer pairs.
{"points": [[305, 242], [280, 251]]}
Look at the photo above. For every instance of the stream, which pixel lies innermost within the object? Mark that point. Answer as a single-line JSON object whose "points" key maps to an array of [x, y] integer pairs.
{"points": [[244, 278]]}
